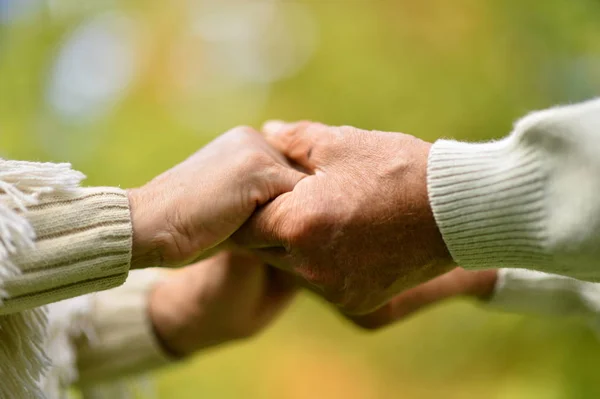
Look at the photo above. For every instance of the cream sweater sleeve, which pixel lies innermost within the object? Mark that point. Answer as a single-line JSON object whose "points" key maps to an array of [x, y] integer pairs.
{"points": [[82, 244], [57, 241], [121, 340], [98, 341], [531, 200]]}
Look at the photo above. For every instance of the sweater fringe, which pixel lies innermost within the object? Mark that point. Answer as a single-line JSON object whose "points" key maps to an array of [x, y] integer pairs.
{"points": [[23, 335]]}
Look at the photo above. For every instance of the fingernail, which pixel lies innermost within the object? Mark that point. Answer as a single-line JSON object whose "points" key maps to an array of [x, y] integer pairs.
{"points": [[272, 127]]}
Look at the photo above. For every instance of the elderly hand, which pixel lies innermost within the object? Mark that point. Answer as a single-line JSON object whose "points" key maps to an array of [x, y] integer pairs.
{"points": [[227, 297], [359, 229], [456, 283], [202, 201]]}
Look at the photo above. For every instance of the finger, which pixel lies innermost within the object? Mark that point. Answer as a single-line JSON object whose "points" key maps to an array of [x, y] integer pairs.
{"points": [[273, 126], [265, 228], [297, 141], [454, 283], [284, 179], [458, 282]]}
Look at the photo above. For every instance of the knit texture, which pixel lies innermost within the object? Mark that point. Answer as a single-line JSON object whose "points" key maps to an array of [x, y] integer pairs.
{"points": [[67, 320], [56, 241], [22, 356], [122, 340], [101, 340], [83, 245], [527, 201], [531, 292]]}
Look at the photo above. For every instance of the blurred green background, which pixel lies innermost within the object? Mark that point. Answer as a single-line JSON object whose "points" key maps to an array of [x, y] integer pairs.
{"points": [[125, 89]]}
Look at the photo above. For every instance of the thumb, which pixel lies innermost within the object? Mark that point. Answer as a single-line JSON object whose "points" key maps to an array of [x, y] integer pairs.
{"points": [[284, 181], [300, 142]]}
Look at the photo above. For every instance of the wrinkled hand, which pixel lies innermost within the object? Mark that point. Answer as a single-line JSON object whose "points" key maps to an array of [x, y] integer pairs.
{"points": [[202, 201], [359, 229], [227, 297], [456, 283]]}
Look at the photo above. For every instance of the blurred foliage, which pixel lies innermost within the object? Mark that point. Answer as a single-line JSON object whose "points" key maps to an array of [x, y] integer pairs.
{"points": [[432, 68]]}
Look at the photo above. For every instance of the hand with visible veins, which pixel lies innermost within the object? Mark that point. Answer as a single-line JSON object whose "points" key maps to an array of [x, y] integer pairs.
{"points": [[359, 229], [199, 203], [228, 297]]}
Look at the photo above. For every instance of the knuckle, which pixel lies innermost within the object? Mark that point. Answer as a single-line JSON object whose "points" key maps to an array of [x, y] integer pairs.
{"points": [[298, 127], [326, 139], [242, 134], [257, 195], [256, 160], [243, 130], [295, 131]]}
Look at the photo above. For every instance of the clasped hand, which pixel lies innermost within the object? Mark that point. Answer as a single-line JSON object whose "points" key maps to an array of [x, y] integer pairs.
{"points": [[339, 210]]}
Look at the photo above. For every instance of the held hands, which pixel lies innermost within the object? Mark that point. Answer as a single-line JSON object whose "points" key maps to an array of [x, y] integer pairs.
{"points": [[359, 229], [194, 207], [199, 203]]}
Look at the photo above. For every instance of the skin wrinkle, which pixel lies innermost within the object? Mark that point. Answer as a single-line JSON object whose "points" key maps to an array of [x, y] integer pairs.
{"points": [[359, 234], [194, 207], [239, 172], [491, 176]]}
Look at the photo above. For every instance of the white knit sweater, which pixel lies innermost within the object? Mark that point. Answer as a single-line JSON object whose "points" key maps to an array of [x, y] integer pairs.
{"points": [[529, 201]]}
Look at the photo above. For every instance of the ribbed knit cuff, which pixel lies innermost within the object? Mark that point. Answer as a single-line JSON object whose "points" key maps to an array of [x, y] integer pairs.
{"points": [[531, 292], [83, 244], [123, 341], [488, 202]]}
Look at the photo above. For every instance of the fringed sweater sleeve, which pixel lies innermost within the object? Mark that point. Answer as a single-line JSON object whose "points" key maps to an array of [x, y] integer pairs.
{"points": [[57, 241]]}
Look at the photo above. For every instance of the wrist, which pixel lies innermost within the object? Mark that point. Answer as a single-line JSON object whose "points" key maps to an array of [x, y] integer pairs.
{"points": [[438, 246], [145, 251]]}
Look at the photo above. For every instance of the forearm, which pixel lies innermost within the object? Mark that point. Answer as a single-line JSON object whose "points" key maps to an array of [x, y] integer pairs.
{"points": [[63, 241], [528, 201]]}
